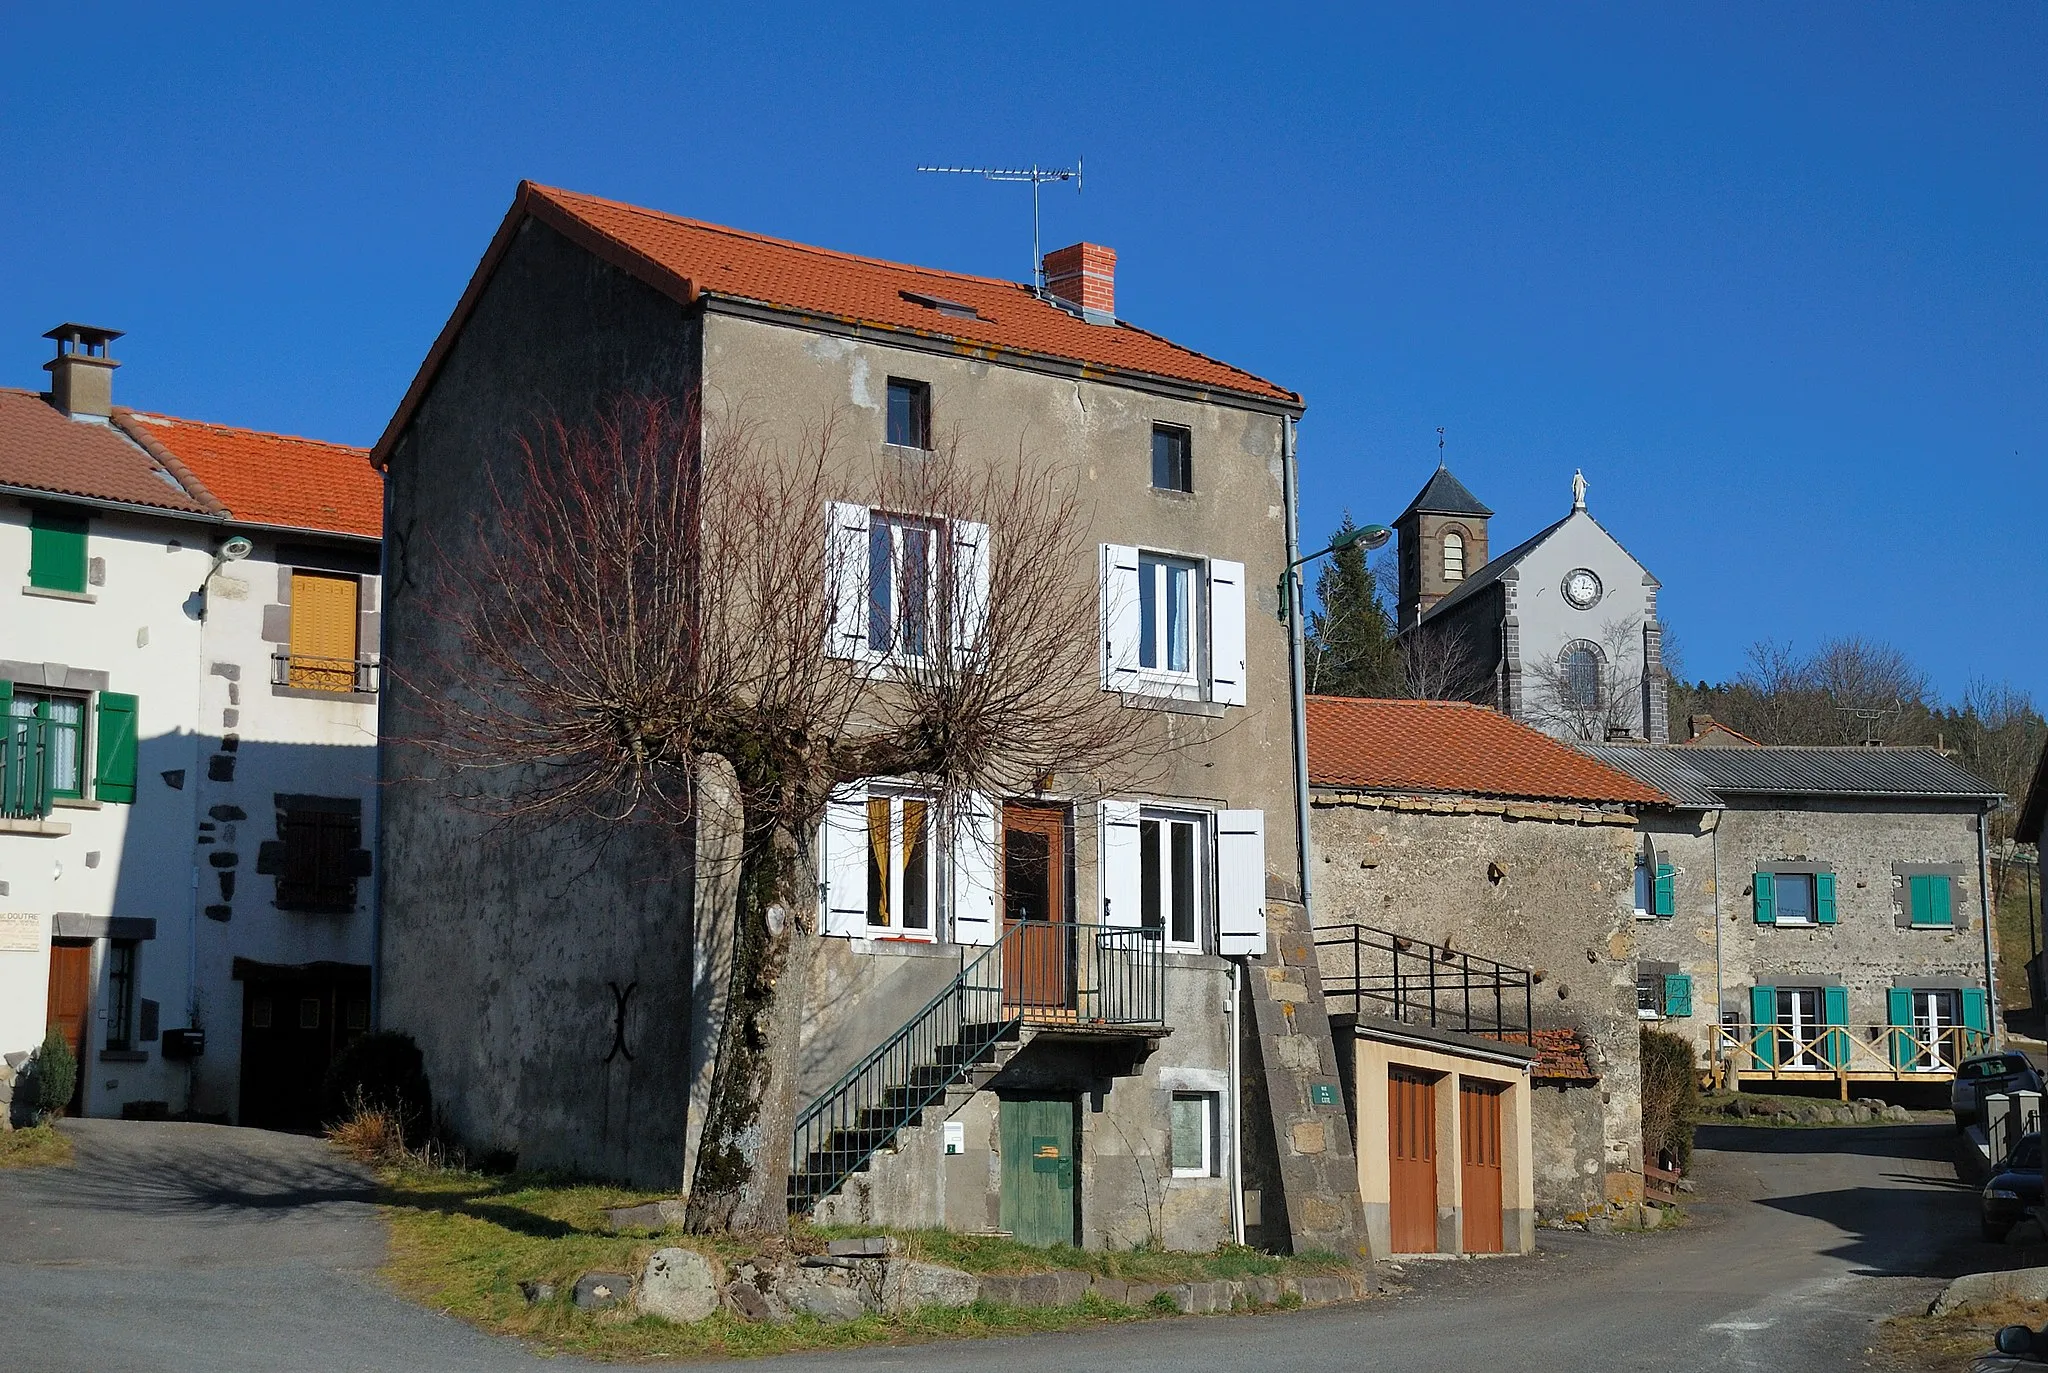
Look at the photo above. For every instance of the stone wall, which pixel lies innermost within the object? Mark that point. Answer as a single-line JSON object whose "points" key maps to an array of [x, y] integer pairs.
{"points": [[1548, 888]]}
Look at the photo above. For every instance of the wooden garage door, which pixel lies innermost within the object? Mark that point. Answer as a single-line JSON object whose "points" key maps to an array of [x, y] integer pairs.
{"points": [[1479, 1157], [1411, 1154]]}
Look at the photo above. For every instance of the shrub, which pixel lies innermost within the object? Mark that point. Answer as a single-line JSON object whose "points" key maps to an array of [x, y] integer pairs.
{"points": [[56, 1074], [380, 1074], [1671, 1098]]}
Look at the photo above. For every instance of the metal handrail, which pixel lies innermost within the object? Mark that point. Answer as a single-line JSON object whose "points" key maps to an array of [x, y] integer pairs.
{"points": [[1897, 1051], [290, 669], [1415, 982], [25, 792], [1040, 972]]}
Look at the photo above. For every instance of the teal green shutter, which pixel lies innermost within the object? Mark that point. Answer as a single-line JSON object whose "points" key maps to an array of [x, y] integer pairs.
{"points": [[1763, 1014], [1664, 900], [1766, 900], [1677, 994], [56, 552], [1898, 1005], [1918, 906], [1975, 1020], [1835, 1013], [114, 777], [10, 764], [1824, 897], [1941, 908]]}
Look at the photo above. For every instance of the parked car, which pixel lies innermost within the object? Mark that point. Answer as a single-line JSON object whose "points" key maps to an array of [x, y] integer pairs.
{"points": [[2019, 1349], [1979, 1077], [2014, 1190]]}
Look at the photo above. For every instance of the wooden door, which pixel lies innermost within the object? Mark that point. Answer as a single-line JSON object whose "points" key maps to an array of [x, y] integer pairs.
{"points": [[1038, 973], [71, 1004], [294, 1023], [1411, 1157], [1479, 1160], [1039, 1200]]}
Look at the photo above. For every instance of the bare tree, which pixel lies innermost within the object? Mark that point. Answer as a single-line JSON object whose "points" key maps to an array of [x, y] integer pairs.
{"points": [[1438, 664], [661, 588], [1591, 690]]}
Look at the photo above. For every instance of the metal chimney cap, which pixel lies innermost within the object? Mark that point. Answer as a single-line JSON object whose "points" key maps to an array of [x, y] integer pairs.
{"points": [[83, 335]]}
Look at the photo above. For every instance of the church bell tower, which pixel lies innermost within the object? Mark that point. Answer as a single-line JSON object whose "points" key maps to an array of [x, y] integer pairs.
{"points": [[1443, 541]]}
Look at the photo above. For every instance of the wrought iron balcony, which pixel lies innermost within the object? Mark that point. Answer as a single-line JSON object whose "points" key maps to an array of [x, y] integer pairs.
{"points": [[310, 672], [1414, 982]]}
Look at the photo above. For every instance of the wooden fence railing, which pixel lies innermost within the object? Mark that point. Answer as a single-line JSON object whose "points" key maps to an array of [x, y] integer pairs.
{"points": [[1863, 1052]]}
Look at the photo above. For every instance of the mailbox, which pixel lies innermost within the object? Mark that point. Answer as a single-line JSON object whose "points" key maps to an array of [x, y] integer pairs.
{"points": [[184, 1044]]}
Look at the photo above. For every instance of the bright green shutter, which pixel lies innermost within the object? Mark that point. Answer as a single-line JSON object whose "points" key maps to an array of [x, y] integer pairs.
{"points": [[1975, 1020], [1917, 904], [1663, 900], [1898, 1005], [1763, 1014], [56, 552], [1766, 900], [1835, 1012], [1824, 897], [10, 763], [1941, 909], [1677, 994], [114, 776]]}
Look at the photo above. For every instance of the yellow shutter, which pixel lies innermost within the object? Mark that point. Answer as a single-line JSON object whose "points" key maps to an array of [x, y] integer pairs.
{"points": [[323, 632]]}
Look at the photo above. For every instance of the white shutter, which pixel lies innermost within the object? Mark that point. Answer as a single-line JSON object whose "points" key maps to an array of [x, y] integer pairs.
{"points": [[974, 871], [1121, 901], [1119, 617], [970, 588], [1226, 632], [846, 577], [1241, 882], [844, 863]]}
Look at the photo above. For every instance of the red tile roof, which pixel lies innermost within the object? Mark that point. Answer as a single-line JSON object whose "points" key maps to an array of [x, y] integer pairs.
{"points": [[271, 479], [1562, 1056], [43, 449], [1452, 747], [686, 258]]}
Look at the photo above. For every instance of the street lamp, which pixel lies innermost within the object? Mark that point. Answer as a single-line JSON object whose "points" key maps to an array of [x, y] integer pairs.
{"points": [[1371, 536]]}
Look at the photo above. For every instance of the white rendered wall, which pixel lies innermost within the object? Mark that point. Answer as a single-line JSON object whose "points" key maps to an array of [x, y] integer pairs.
{"points": [[1548, 621]]}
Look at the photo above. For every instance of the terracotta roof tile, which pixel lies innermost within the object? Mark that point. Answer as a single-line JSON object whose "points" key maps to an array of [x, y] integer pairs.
{"points": [[43, 449], [1452, 747], [272, 479], [1562, 1057]]}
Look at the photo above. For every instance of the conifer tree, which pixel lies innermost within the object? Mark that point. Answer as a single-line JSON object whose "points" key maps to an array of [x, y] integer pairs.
{"points": [[1351, 648]]}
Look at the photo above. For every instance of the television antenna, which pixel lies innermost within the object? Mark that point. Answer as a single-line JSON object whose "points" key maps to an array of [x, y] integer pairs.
{"points": [[1037, 176], [1872, 719]]}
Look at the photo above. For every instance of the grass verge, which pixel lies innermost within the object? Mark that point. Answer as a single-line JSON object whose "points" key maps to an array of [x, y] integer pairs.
{"points": [[1951, 1343], [462, 1242], [38, 1146]]}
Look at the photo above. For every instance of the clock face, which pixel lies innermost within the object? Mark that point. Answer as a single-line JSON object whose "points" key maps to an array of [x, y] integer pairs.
{"points": [[1581, 587]]}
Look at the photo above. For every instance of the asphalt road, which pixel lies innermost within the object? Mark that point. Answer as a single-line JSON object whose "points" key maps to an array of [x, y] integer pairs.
{"points": [[188, 1247]]}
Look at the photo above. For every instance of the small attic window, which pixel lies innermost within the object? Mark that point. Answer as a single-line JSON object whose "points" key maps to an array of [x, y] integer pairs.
{"points": [[941, 304]]}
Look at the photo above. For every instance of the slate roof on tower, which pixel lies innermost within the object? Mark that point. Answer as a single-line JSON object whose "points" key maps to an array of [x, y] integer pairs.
{"points": [[1444, 494], [982, 317]]}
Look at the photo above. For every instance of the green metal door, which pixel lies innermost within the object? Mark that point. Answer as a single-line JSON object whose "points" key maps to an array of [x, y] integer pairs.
{"points": [[1038, 1170]]}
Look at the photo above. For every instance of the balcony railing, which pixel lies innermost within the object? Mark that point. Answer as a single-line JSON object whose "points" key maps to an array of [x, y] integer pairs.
{"points": [[1896, 1052], [310, 672], [1392, 976], [25, 761]]}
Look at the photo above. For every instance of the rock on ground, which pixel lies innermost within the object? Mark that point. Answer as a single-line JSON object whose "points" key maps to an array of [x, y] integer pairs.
{"points": [[1976, 1289], [678, 1285], [909, 1284], [595, 1291]]}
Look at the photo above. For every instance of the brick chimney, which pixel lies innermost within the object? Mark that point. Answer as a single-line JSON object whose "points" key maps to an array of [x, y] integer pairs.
{"points": [[1083, 279], [82, 375]]}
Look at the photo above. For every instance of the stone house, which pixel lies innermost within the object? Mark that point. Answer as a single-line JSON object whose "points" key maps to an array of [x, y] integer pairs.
{"points": [[1560, 632], [1472, 906], [1813, 913], [1103, 1127], [187, 772]]}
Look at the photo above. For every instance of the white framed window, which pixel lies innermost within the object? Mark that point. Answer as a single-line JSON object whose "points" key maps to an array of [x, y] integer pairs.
{"points": [[905, 587], [1795, 897], [1173, 858], [1173, 625], [902, 557], [1800, 1015], [1168, 596], [1193, 1134], [902, 867], [1644, 882]]}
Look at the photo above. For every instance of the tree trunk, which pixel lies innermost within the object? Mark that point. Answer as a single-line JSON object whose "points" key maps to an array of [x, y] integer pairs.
{"points": [[742, 1175]]}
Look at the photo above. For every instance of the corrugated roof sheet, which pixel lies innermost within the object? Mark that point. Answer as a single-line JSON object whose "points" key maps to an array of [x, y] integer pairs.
{"points": [[1454, 748], [1660, 768], [1791, 770]]}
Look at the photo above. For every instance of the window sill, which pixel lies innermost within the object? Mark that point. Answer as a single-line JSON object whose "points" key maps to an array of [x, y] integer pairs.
{"points": [[124, 1056], [82, 597], [895, 947], [1142, 700], [1949, 928], [1648, 1015], [1172, 494], [48, 829], [360, 698], [904, 450], [75, 803]]}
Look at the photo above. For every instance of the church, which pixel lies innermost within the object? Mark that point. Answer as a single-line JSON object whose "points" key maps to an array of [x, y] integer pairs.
{"points": [[1560, 631]]}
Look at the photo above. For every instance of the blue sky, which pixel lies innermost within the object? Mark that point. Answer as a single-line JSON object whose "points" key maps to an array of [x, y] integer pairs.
{"points": [[1772, 275]]}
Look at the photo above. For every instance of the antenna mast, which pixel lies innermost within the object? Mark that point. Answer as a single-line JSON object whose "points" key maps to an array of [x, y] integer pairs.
{"points": [[1037, 176]]}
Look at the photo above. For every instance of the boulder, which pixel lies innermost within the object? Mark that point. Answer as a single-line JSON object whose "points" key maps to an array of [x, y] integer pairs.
{"points": [[679, 1285], [596, 1291], [910, 1284], [827, 1296], [535, 1291], [1898, 1115], [649, 1215], [866, 1247], [1982, 1289], [744, 1299]]}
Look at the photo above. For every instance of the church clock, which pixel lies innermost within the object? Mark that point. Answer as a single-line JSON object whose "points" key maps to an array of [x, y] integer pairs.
{"points": [[1581, 587]]}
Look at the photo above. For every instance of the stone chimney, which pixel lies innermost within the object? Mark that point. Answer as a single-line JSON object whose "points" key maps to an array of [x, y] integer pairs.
{"points": [[1083, 279], [82, 375]]}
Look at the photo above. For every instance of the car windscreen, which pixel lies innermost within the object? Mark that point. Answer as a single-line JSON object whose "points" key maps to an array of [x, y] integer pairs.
{"points": [[1992, 1067]]}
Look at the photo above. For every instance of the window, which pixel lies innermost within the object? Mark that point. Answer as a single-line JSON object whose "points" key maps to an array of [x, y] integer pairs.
{"points": [[1170, 876], [1795, 897], [901, 572], [121, 994], [322, 655], [317, 872], [1579, 667], [1643, 889], [1804, 896], [900, 865], [1649, 994], [1173, 464], [1454, 556], [46, 744], [1193, 1128], [1929, 900], [56, 552], [910, 414], [1166, 613], [1799, 1017]]}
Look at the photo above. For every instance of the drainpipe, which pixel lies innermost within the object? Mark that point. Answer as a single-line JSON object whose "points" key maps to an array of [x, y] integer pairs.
{"points": [[1984, 918], [1236, 1109], [1716, 1040], [1298, 699]]}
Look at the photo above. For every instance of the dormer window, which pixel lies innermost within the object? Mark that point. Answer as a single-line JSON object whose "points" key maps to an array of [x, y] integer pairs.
{"points": [[1454, 556]]}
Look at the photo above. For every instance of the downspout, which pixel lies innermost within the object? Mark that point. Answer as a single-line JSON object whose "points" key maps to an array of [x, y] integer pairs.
{"points": [[1719, 1046], [384, 589], [1236, 1109], [1984, 918], [1298, 699]]}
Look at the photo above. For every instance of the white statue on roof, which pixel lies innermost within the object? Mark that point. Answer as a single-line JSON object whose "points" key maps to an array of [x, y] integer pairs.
{"points": [[1578, 490]]}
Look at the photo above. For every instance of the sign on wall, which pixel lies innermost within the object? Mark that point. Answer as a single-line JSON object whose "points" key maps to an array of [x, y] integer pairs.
{"points": [[21, 932]]}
